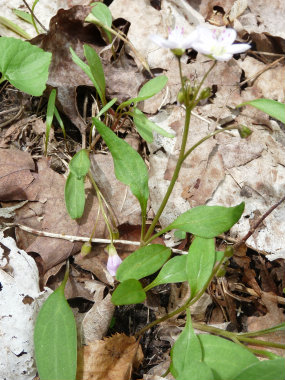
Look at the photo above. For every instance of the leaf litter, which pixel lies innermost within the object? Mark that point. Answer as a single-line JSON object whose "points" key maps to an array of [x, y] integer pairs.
{"points": [[229, 168]]}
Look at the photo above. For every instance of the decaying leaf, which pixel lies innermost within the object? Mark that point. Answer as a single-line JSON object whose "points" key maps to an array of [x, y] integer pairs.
{"points": [[109, 359]]}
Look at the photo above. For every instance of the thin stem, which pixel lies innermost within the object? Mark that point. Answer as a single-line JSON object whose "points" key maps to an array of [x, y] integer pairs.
{"points": [[101, 205], [175, 175], [263, 343], [281, 326], [203, 79]]}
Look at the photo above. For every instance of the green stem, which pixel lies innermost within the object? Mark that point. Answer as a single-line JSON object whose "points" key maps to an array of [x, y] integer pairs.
{"points": [[281, 326], [263, 343], [101, 205], [174, 177], [203, 80]]}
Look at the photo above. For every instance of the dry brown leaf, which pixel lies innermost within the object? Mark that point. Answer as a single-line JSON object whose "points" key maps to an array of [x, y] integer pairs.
{"points": [[109, 359], [273, 317]]}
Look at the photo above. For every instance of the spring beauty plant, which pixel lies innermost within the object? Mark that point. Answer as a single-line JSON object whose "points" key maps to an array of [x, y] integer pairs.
{"points": [[220, 355]]}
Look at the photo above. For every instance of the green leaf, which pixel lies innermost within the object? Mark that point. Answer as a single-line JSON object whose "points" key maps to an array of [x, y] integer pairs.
{"points": [[186, 356], [145, 127], [129, 166], [55, 339], [87, 71], [151, 88], [219, 256], [264, 370], [74, 196], [106, 107], [50, 114], [128, 292], [171, 272], [24, 65], [59, 120], [225, 358], [179, 234], [143, 262], [23, 15], [208, 221], [96, 69], [271, 107], [200, 262], [14, 27], [80, 164], [101, 15]]}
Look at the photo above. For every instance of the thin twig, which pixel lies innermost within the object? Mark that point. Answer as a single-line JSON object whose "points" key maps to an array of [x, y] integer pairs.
{"points": [[260, 220], [7, 122], [37, 20]]}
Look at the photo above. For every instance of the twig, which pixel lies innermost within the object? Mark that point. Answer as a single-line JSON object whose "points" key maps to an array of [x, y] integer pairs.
{"points": [[37, 20], [260, 220], [72, 238], [7, 122]]}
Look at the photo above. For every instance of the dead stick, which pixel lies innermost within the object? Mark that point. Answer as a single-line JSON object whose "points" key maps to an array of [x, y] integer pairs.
{"points": [[260, 220]]}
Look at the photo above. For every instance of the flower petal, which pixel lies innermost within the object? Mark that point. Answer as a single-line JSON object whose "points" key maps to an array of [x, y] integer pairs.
{"points": [[227, 37], [238, 48], [201, 47], [158, 40], [113, 264]]}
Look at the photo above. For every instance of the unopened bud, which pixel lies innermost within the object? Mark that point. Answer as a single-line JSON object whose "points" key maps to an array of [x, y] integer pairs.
{"points": [[85, 249], [205, 93], [244, 131], [229, 251], [181, 97]]}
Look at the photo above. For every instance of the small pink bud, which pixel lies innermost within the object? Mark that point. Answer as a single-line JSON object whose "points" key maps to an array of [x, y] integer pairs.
{"points": [[114, 260]]}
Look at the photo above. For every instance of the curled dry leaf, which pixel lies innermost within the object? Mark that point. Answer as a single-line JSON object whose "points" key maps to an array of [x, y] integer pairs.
{"points": [[109, 359]]}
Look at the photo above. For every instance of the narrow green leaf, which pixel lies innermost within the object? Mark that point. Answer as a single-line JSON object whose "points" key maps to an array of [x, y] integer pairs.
{"points": [[129, 166], [24, 65], [59, 120], [224, 357], [219, 256], [171, 272], [271, 107], [74, 196], [208, 221], [186, 356], [106, 107], [23, 15], [151, 88], [14, 27], [264, 370], [200, 262], [96, 68], [80, 163], [87, 71], [55, 339], [143, 262], [145, 127], [101, 15], [128, 292]]}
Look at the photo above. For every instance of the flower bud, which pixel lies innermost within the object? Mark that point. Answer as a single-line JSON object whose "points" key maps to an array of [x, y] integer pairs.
{"points": [[205, 93], [229, 251], [114, 260], [178, 52], [86, 248], [180, 97], [244, 131]]}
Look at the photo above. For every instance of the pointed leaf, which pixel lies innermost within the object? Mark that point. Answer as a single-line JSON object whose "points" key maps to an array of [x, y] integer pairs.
{"points": [[145, 127], [55, 339], [225, 358], [24, 65], [96, 68], [208, 221], [74, 196], [50, 114], [129, 166], [200, 262], [151, 88], [101, 15], [171, 272], [264, 370], [80, 164], [143, 262], [128, 292], [271, 107], [87, 71], [186, 356]]}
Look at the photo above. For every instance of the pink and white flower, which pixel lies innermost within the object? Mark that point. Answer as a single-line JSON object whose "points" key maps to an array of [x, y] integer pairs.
{"points": [[176, 39], [217, 43], [114, 260]]}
